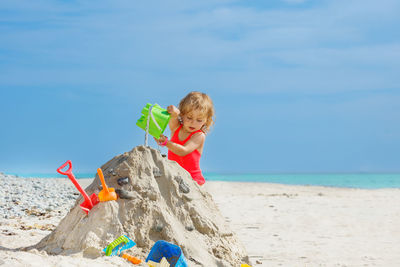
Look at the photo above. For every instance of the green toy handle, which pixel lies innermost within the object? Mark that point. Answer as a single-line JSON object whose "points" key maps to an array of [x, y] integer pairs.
{"points": [[116, 242], [152, 117]]}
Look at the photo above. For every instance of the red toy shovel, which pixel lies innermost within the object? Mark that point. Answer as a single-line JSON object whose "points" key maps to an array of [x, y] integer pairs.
{"points": [[88, 203]]}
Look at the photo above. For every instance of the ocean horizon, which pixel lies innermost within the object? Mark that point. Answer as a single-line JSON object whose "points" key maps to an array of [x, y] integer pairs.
{"points": [[347, 180]]}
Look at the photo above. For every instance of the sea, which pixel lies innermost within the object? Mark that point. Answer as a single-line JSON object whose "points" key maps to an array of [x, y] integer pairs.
{"points": [[349, 180]]}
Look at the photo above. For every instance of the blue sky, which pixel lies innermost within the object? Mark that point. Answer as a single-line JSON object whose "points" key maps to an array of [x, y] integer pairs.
{"points": [[298, 86]]}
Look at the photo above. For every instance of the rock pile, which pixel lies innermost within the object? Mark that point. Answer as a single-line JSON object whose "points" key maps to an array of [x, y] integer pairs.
{"points": [[34, 196]]}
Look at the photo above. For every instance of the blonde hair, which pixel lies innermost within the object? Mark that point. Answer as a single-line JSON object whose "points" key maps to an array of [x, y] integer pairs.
{"points": [[201, 102]]}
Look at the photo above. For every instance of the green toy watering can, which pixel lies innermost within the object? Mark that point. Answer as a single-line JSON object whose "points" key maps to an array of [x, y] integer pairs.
{"points": [[154, 120]]}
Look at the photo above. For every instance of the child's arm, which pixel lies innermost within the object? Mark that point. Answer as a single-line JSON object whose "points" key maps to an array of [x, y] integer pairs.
{"points": [[174, 121], [195, 142]]}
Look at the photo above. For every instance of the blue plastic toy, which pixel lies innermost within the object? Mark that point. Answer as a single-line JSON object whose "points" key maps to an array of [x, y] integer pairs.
{"points": [[171, 252]]}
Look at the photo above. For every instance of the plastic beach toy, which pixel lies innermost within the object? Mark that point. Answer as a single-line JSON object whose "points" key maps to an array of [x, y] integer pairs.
{"points": [[171, 252], [154, 120], [120, 244], [88, 203], [107, 193], [132, 259]]}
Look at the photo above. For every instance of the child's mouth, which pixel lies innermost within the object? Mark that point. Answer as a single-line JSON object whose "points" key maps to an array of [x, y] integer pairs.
{"points": [[191, 128]]}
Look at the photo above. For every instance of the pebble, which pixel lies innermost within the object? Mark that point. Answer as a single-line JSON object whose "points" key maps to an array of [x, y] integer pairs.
{"points": [[123, 181], [34, 196], [157, 172], [158, 227], [184, 187], [124, 194], [178, 179], [189, 228]]}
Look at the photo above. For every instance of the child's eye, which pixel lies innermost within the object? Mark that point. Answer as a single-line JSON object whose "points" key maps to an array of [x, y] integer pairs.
{"points": [[199, 120]]}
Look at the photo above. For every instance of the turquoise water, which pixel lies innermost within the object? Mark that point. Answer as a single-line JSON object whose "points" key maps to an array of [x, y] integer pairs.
{"points": [[352, 180], [368, 181]]}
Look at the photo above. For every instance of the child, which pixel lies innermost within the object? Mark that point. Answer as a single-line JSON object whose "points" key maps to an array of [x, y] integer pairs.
{"points": [[188, 126]]}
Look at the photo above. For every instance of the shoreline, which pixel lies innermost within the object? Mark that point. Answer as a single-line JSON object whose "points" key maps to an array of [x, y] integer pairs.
{"points": [[368, 181], [87, 181], [280, 225]]}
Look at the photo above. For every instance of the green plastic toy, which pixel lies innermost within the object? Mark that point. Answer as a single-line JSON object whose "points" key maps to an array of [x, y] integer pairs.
{"points": [[154, 120], [121, 243]]}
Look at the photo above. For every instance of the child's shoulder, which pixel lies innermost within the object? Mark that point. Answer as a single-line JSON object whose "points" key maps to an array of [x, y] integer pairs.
{"points": [[200, 135]]}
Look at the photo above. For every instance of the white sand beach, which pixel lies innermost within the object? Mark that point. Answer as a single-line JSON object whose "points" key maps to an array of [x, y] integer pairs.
{"points": [[283, 225], [279, 225]]}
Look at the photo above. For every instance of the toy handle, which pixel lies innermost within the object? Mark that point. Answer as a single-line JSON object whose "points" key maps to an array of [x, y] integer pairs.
{"points": [[100, 173], [132, 259], [115, 243], [67, 172], [73, 180]]}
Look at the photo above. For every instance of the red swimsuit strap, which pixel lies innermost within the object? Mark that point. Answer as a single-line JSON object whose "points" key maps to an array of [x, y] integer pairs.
{"points": [[176, 133], [187, 138], [190, 135]]}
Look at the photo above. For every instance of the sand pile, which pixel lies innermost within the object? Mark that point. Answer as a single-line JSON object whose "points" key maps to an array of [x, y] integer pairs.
{"points": [[158, 200]]}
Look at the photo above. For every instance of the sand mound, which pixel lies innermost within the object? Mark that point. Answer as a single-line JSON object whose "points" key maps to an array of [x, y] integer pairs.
{"points": [[159, 201]]}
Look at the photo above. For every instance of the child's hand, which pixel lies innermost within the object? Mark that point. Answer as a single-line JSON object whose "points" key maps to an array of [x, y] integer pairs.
{"points": [[162, 139], [174, 111]]}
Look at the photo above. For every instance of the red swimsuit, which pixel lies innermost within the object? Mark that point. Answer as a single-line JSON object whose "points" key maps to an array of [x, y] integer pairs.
{"points": [[190, 162]]}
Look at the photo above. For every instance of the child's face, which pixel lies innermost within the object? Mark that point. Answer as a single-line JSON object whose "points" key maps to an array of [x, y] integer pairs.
{"points": [[193, 121]]}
